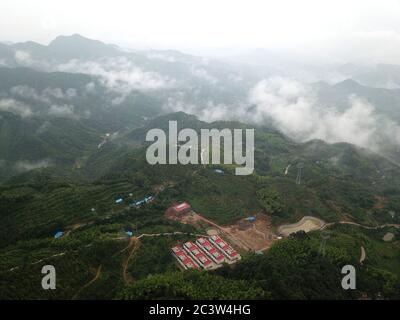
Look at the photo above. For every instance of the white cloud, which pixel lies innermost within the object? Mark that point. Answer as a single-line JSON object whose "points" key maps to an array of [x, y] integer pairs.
{"points": [[65, 110], [48, 96], [25, 59], [45, 96], [26, 165], [15, 107], [119, 74], [44, 127], [209, 111], [202, 73], [292, 107], [53, 92], [91, 87], [26, 92]]}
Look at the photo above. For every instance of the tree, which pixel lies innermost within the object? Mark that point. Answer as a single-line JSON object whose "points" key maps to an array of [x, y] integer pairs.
{"points": [[270, 200]]}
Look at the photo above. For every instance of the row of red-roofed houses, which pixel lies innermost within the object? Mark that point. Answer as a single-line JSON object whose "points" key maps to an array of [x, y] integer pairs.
{"points": [[198, 255], [204, 253], [184, 260], [230, 254], [210, 250]]}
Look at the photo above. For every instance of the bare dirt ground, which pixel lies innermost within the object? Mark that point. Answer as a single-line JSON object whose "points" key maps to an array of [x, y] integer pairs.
{"points": [[248, 236], [212, 232], [380, 202], [307, 224], [389, 236], [257, 235]]}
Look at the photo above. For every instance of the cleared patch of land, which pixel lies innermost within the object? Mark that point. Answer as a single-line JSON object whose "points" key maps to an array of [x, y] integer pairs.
{"points": [[212, 232], [306, 224], [246, 235], [388, 236], [256, 235]]}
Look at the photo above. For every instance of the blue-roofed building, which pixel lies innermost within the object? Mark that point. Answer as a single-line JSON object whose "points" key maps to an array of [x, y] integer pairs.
{"points": [[129, 233], [58, 234], [138, 203]]}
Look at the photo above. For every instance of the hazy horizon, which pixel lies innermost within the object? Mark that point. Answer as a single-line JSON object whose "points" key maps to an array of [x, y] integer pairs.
{"points": [[309, 31]]}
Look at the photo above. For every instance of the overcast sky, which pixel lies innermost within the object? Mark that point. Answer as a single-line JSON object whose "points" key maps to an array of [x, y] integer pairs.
{"points": [[349, 30]]}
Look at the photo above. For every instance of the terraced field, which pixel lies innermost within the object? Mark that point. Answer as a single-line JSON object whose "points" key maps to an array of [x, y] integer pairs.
{"points": [[60, 206]]}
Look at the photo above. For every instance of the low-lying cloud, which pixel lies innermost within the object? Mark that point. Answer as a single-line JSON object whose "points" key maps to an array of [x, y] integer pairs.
{"points": [[203, 74], [65, 110], [293, 109], [16, 107], [46, 95], [26, 101], [25, 59], [26, 165], [119, 74]]}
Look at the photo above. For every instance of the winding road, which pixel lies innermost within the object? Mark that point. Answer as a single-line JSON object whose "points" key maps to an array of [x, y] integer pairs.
{"points": [[386, 225], [134, 244], [97, 275], [363, 255]]}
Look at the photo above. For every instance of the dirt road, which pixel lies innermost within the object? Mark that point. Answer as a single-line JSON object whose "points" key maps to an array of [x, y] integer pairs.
{"points": [[134, 244], [97, 275], [363, 255], [397, 226], [239, 243]]}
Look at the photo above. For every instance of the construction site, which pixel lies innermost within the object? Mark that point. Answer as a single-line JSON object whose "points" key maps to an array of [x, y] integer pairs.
{"points": [[250, 234]]}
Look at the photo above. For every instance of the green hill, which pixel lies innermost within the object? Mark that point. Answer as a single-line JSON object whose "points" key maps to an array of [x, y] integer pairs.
{"points": [[339, 182]]}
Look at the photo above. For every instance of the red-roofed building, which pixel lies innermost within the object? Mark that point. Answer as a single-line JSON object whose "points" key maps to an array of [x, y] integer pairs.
{"points": [[181, 208], [199, 256], [184, 260], [210, 250], [225, 248]]}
